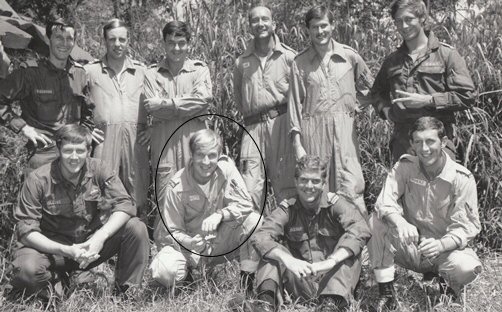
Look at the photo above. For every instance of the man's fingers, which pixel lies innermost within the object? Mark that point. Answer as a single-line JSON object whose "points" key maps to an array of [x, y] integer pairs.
{"points": [[403, 92]]}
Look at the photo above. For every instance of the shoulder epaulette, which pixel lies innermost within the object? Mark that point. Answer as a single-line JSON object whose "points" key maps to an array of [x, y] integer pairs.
{"points": [[153, 65], [288, 47], [94, 61], [349, 48], [301, 52], [408, 157], [77, 64], [286, 203], [199, 63], [463, 170], [446, 45], [332, 198], [29, 63], [135, 62]]}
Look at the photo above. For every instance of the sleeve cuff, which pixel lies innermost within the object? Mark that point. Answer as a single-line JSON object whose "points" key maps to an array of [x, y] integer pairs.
{"points": [[350, 244], [16, 124], [265, 246], [440, 100], [130, 209], [26, 227]]}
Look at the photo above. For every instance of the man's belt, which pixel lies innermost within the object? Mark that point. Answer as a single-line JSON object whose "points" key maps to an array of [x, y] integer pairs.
{"points": [[269, 114]]}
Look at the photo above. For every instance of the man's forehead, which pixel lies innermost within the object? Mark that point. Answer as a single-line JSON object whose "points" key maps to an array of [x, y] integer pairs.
{"points": [[117, 32], [310, 173], [65, 30], [71, 145], [406, 11], [260, 10], [426, 134], [323, 20], [175, 38]]}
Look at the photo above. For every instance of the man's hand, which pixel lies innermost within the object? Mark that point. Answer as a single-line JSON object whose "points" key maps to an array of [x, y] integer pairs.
{"points": [[33, 135], [299, 267], [412, 100], [430, 248], [98, 135], [210, 224], [72, 251], [144, 136], [198, 244], [155, 103], [300, 151], [407, 233], [92, 248], [323, 266]]}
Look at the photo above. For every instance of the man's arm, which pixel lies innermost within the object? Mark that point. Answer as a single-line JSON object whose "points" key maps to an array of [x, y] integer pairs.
{"points": [[237, 80], [295, 100], [4, 62], [363, 82], [380, 92], [237, 201], [14, 87]]}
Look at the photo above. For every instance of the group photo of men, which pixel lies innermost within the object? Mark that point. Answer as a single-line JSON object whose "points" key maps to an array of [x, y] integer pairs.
{"points": [[113, 138]]}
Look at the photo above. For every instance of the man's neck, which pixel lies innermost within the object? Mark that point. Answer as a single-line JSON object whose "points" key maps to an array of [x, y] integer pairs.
{"points": [[436, 169], [323, 51], [174, 67], [311, 208], [418, 43], [264, 46], [72, 178], [58, 63], [116, 64]]}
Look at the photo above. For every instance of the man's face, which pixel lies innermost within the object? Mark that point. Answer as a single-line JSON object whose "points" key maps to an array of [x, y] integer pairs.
{"points": [[408, 24], [320, 31], [309, 186], [72, 157], [428, 147], [117, 43], [261, 23], [61, 43], [176, 48], [205, 162]]}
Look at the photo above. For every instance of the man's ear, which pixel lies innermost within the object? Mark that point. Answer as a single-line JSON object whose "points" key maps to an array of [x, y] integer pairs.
{"points": [[444, 140]]}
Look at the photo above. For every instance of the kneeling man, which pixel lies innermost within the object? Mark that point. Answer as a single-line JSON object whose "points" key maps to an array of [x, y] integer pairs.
{"points": [[323, 234], [424, 217], [60, 219], [208, 212]]}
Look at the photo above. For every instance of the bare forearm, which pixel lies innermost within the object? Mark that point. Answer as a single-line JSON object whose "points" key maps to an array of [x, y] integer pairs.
{"points": [[42, 243], [114, 223]]}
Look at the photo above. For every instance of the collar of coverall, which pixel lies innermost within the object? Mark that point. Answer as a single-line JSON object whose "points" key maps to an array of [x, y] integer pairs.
{"points": [[188, 66], [449, 170], [323, 203], [432, 43], [128, 64], [69, 68], [57, 176], [335, 48], [250, 46]]}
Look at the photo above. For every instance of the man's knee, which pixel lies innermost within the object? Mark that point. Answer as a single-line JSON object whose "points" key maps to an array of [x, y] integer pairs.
{"points": [[30, 272], [252, 221], [461, 267], [169, 267], [136, 228]]}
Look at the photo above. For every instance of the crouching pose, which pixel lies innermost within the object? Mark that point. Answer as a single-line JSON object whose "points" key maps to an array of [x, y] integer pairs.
{"points": [[208, 212], [323, 235], [424, 217], [60, 219]]}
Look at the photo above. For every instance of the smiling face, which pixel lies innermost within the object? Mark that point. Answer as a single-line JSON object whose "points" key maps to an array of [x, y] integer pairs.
{"points": [[205, 162], [176, 48], [408, 24], [261, 23], [309, 186], [320, 31], [72, 158], [117, 43], [428, 147], [61, 43]]}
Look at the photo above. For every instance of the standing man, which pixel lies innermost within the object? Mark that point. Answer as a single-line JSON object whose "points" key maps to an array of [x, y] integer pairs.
{"points": [[326, 78], [424, 77], [115, 86], [59, 228], [261, 83], [425, 216], [4, 62], [52, 93], [209, 212], [175, 90], [323, 235]]}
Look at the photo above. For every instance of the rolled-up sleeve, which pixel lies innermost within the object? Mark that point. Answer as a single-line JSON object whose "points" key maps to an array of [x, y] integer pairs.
{"points": [[12, 88], [188, 105], [29, 211], [463, 216], [460, 90], [115, 194], [268, 235], [357, 232], [392, 191], [237, 203]]}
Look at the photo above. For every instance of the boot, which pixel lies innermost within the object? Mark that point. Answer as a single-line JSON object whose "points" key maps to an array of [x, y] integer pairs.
{"points": [[445, 290], [387, 297]]}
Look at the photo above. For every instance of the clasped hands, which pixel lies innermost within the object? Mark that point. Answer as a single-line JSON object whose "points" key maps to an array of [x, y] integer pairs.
{"points": [[208, 227], [302, 269], [429, 248], [87, 252]]}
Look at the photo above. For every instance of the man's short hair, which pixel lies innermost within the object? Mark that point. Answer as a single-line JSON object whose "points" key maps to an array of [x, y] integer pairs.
{"points": [[427, 123], [311, 163], [60, 24], [318, 12], [176, 28], [74, 134], [206, 138], [417, 7], [112, 24]]}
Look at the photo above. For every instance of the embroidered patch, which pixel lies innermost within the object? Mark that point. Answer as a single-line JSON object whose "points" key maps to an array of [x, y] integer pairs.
{"points": [[296, 229], [193, 197], [39, 91], [418, 181], [245, 65]]}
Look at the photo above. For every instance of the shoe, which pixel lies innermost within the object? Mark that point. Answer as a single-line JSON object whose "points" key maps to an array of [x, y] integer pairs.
{"points": [[445, 290], [332, 304], [387, 297]]}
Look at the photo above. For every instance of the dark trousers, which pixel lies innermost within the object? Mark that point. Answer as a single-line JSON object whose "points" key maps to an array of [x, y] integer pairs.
{"points": [[34, 270]]}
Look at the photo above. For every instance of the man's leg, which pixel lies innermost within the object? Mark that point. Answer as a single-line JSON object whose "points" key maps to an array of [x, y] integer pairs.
{"points": [[169, 266], [459, 268]]}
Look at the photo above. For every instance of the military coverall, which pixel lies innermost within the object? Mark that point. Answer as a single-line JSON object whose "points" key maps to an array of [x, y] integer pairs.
{"points": [[261, 96], [190, 92], [185, 208], [445, 208], [440, 72], [50, 98], [4, 63], [313, 238], [121, 117], [322, 107], [69, 215]]}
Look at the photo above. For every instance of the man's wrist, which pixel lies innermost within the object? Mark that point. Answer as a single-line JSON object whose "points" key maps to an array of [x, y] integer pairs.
{"points": [[102, 234]]}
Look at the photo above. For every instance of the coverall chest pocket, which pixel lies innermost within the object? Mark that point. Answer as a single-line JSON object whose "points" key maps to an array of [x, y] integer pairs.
{"points": [[298, 242], [344, 90], [328, 238], [48, 108], [431, 78], [92, 199]]}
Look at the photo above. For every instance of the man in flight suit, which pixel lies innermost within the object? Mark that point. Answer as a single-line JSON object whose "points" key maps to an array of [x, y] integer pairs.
{"points": [[423, 77], [261, 83], [115, 86], [59, 224], [208, 212], [175, 90], [323, 235], [425, 215], [52, 93]]}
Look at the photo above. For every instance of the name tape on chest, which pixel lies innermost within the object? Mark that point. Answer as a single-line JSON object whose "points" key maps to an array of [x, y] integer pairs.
{"points": [[193, 197], [245, 65], [418, 181], [40, 91]]}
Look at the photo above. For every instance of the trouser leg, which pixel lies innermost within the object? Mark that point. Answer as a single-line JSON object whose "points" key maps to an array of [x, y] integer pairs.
{"points": [[459, 267], [40, 157], [251, 165], [342, 279]]}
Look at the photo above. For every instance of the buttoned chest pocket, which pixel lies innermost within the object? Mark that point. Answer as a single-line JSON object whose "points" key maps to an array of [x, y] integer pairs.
{"points": [[195, 205], [47, 105], [298, 242], [59, 208], [92, 203], [328, 237], [431, 78]]}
